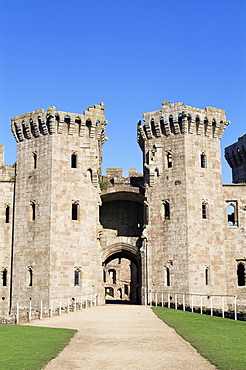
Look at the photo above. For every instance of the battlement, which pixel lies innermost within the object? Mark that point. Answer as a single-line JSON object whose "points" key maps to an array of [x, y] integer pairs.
{"points": [[235, 155], [177, 118], [40, 122]]}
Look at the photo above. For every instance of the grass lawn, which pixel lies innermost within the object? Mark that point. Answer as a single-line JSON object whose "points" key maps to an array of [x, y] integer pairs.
{"points": [[30, 347], [221, 341]]}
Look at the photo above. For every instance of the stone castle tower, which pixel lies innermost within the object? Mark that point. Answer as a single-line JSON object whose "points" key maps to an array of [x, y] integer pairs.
{"points": [[57, 200], [184, 199], [68, 231]]}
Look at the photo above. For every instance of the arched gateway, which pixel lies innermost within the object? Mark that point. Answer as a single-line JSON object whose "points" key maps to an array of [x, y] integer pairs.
{"points": [[121, 216], [122, 273]]}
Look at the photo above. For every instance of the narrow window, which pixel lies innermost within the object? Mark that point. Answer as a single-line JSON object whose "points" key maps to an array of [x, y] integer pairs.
{"points": [[203, 160], [112, 274], [89, 174], [169, 160], [207, 276], [232, 213], [166, 209], [4, 277], [126, 289], [240, 274], [76, 277], [30, 277], [7, 214], [74, 160], [34, 160], [168, 276], [204, 210], [75, 211], [32, 211]]}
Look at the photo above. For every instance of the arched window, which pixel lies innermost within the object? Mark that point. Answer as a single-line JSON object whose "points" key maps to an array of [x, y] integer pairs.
{"points": [[232, 213], [240, 274], [166, 209], [88, 125], [169, 159], [77, 273], [204, 210], [7, 212], [34, 160], [213, 126], [75, 211], [32, 210], [109, 291], [74, 160], [203, 160], [30, 276], [207, 276], [4, 276], [167, 276]]}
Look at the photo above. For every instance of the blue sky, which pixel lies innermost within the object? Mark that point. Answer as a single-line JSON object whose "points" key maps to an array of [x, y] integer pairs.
{"points": [[132, 55]]}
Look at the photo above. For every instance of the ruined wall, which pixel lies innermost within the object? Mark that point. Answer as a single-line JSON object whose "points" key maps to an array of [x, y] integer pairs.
{"points": [[235, 237], [235, 155], [7, 175]]}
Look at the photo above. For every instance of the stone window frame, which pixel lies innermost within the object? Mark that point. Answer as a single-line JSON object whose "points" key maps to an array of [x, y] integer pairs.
{"points": [[203, 159], [112, 274], [166, 209], [74, 160], [242, 276], [207, 275], [4, 277], [205, 210], [167, 276], [75, 210], [169, 159], [32, 210], [77, 276], [234, 218], [7, 214], [35, 160], [30, 276]]}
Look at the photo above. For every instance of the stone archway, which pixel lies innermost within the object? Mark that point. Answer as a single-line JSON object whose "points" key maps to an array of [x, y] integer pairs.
{"points": [[122, 274]]}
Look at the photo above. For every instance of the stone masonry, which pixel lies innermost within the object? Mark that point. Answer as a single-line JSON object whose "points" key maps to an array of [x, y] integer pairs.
{"points": [[67, 230]]}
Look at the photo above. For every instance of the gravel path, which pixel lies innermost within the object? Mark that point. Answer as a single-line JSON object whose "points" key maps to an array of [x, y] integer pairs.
{"points": [[122, 337]]}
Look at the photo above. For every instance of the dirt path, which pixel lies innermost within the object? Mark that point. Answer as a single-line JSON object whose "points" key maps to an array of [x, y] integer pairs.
{"points": [[122, 337]]}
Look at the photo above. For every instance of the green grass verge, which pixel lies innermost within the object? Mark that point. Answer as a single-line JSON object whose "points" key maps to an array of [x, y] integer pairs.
{"points": [[31, 347], [221, 341]]}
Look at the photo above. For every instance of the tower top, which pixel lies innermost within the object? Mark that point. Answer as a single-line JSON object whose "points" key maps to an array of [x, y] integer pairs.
{"points": [[178, 118], [49, 122]]}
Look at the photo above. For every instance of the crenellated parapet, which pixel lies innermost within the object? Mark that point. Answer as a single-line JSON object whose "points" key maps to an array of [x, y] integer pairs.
{"points": [[177, 118], [235, 155], [91, 123]]}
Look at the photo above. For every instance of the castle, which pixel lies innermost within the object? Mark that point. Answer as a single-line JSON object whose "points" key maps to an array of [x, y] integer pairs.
{"points": [[67, 230]]}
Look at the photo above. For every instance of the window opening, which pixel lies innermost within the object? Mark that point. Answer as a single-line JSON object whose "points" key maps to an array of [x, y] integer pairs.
{"points": [[4, 276], [232, 214], [112, 274], [75, 211], [76, 277], [89, 174], [7, 210], [207, 276], [180, 121], [169, 160], [166, 206], [30, 271], [240, 274], [74, 160], [34, 160], [203, 160], [168, 276], [197, 123], [126, 289], [204, 210], [33, 210]]}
